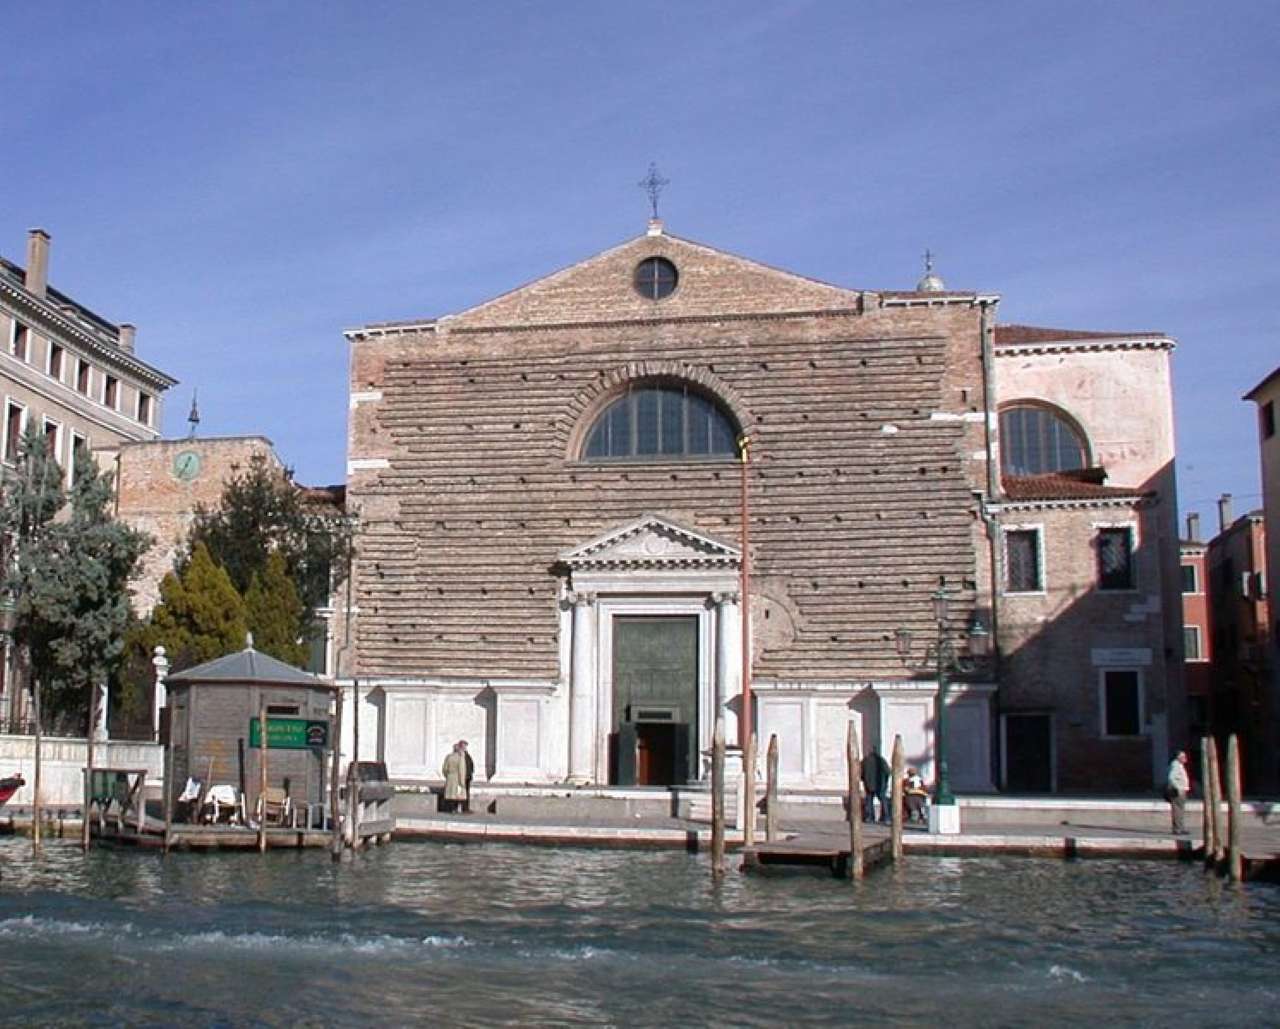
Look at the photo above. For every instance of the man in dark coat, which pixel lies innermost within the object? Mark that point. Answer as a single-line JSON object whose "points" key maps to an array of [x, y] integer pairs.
{"points": [[875, 784]]}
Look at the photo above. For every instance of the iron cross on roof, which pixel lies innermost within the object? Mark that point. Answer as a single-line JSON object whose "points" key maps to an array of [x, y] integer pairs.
{"points": [[653, 184]]}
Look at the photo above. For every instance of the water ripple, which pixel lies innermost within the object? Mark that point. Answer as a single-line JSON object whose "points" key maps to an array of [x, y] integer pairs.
{"points": [[451, 934]]}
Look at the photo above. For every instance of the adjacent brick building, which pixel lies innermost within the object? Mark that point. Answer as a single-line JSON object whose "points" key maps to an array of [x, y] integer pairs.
{"points": [[1243, 702], [1089, 622], [550, 497], [1266, 395]]}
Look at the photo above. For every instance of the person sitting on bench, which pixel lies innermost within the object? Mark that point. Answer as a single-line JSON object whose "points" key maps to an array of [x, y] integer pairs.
{"points": [[915, 796]]}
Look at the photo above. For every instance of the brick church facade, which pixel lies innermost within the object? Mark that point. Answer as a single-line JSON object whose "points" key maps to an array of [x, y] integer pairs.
{"points": [[550, 494]]}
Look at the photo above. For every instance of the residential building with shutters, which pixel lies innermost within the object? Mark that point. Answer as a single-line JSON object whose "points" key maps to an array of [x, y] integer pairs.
{"points": [[72, 374], [1197, 636], [551, 498]]}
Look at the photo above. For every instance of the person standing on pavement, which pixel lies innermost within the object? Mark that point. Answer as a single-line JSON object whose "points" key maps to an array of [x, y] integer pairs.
{"points": [[1177, 786], [875, 783], [454, 771]]}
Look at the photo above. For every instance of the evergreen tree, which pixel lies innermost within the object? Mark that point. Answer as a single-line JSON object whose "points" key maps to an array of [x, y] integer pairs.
{"points": [[262, 512], [68, 578], [275, 613], [200, 615]]}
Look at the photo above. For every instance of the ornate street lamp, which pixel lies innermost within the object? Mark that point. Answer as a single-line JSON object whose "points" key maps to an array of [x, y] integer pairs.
{"points": [[944, 659]]}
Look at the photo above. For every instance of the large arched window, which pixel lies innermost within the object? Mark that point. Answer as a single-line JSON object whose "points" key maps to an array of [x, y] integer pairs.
{"points": [[661, 421], [1036, 440]]}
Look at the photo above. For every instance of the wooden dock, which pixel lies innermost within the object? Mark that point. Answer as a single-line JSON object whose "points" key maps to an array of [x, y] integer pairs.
{"points": [[151, 834], [818, 850], [120, 813]]}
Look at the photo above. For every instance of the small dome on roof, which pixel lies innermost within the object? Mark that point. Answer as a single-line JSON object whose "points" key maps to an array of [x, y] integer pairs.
{"points": [[931, 282]]}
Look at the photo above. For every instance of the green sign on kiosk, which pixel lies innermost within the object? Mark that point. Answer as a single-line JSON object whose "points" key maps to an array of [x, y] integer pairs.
{"points": [[289, 733]]}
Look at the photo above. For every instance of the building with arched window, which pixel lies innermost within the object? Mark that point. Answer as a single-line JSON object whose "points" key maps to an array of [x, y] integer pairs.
{"points": [[551, 494]]}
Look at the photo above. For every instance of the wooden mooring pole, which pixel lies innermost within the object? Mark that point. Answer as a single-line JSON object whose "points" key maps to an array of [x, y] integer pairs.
{"points": [[335, 814], [771, 790], [717, 799], [1235, 860], [895, 798], [168, 795], [749, 796], [37, 808], [1207, 826], [88, 767], [262, 775], [856, 870], [1219, 850]]}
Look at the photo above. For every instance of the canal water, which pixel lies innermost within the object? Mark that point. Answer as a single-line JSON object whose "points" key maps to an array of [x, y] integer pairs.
{"points": [[481, 935]]}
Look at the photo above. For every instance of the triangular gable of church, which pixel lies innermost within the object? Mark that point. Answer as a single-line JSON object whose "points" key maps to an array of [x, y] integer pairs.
{"points": [[600, 289], [652, 541]]}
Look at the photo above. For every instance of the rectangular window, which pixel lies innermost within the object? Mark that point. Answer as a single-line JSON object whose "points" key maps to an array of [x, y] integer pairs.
{"points": [[79, 445], [1267, 419], [1022, 561], [144, 408], [55, 361], [1115, 559], [1121, 702], [12, 430], [82, 377], [1191, 643], [52, 433], [1189, 579], [21, 340], [111, 391]]}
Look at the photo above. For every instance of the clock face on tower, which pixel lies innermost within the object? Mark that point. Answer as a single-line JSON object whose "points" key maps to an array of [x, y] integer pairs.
{"points": [[186, 466]]}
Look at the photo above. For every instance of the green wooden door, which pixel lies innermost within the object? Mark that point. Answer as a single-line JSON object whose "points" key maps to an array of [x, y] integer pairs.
{"points": [[655, 673]]}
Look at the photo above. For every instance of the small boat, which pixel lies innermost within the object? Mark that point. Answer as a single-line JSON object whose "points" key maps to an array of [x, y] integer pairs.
{"points": [[10, 785]]}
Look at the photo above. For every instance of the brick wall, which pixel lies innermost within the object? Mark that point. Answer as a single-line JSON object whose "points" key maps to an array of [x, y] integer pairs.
{"points": [[463, 469], [152, 497]]}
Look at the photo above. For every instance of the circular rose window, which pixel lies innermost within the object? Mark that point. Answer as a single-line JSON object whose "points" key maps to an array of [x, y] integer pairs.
{"points": [[656, 277]]}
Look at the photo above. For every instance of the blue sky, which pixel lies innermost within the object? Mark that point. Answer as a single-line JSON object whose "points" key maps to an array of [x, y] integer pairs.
{"points": [[244, 181]]}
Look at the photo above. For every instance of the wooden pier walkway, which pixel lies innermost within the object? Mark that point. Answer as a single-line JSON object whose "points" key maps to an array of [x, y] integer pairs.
{"points": [[182, 836], [817, 849]]}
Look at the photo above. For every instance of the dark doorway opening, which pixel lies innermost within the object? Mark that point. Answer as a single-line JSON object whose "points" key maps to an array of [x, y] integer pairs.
{"points": [[1028, 740]]}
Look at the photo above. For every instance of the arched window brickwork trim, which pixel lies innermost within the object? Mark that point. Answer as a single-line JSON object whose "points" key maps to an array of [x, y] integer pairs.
{"points": [[590, 403]]}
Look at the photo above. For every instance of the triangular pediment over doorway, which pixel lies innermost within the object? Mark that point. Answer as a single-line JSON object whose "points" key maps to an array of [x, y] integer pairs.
{"points": [[652, 541]]}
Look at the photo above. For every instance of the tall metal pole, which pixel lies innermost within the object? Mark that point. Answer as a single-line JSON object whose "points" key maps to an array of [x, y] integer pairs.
{"points": [[744, 721], [943, 791]]}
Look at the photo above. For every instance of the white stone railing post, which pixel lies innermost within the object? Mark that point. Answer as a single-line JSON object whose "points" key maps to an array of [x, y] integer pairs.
{"points": [[160, 695]]}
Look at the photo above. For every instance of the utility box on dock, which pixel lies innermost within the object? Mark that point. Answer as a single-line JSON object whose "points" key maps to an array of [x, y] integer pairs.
{"points": [[215, 729]]}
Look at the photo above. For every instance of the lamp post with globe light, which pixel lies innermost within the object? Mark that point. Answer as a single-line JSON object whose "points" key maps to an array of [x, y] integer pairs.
{"points": [[943, 657]]}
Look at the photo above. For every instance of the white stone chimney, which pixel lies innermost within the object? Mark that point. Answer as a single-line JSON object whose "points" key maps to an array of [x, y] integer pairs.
{"points": [[1224, 512], [37, 261], [127, 332], [1193, 527]]}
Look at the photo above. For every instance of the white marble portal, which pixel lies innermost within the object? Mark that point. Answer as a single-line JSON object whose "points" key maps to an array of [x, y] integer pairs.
{"points": [[909, 709]]}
